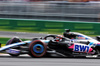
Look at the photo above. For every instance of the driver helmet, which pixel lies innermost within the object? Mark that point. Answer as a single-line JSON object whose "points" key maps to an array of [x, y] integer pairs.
{"points": [[59, 38]]}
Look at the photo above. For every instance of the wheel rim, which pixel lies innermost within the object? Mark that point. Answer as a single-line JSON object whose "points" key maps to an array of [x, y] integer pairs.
{"points": [[38, 48]]}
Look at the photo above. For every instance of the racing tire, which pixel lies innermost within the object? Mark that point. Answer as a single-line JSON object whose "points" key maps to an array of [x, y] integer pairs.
{"points": [[11, 41], [37, 49]]}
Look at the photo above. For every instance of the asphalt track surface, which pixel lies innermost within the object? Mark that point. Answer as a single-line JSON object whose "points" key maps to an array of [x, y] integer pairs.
{"points": [[21, 34], [25, 60]]}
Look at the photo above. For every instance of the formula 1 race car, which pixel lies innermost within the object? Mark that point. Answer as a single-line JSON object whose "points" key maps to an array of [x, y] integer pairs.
{"points": [[39, 47]]}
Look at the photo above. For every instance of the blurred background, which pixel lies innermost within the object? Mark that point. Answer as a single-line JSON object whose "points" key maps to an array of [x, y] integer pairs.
{"points": [[50, 16], [67, 10]]}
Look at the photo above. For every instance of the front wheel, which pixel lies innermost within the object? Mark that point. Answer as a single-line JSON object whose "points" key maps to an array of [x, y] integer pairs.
{"points": [[11, 41], [37, 49]]}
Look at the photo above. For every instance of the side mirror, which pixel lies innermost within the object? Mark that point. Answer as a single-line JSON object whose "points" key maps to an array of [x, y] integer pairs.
{"points": [[98, 38]]}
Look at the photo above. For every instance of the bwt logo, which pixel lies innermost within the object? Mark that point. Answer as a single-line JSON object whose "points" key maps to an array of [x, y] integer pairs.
{"points": [[81, 48]]}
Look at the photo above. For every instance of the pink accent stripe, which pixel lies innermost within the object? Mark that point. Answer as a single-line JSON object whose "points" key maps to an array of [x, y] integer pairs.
{"points": [[90, 50], [98, 43], [71, 47]]}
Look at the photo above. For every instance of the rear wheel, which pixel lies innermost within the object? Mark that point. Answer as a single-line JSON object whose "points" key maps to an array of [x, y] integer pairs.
{"points": [[37, 49], [11, 41]]}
